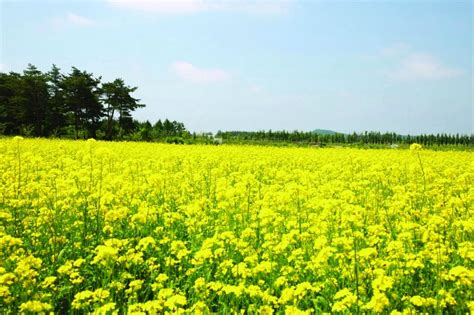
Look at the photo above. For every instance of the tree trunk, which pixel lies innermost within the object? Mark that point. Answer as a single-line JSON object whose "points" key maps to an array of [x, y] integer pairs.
{"points": [[110, 121]]}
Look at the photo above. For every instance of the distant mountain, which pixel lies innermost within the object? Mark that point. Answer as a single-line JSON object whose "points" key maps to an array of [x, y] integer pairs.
{"points": [[324, 132]]}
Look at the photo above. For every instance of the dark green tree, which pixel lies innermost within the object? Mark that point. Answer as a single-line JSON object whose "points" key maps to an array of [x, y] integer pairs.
{"points": [[12, 103], [56, 118], [116, 96], [35, 91], [81, 96]]}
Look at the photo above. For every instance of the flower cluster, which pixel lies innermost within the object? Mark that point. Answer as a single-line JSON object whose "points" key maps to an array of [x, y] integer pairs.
{"points": [[140, 228]]}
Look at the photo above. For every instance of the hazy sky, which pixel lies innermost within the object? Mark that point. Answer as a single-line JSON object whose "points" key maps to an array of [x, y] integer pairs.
{"points": [[403, 66]]}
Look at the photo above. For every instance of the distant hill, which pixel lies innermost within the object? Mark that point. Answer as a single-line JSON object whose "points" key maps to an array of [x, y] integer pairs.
{"points": [[324, 132]]}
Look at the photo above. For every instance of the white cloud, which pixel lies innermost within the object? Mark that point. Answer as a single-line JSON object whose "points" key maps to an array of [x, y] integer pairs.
{"points": [[72, 19], [194, 6], [414, 66], [79, 20], [423, 67], [3, 67], [189, 72], [162, 6]]}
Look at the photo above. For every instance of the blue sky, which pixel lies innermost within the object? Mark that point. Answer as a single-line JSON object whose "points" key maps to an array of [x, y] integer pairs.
{"points": [[402, 66]]}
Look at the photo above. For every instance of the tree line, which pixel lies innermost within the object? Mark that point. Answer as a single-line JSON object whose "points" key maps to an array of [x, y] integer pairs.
{"points": [[75, 105], [364, 138], [78, 105]]}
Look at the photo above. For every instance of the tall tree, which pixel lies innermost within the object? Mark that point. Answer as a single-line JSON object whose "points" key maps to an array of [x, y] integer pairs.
{"points": [[81, 92], [35, 90], [58, 110], [12, 103], [116, 96]]}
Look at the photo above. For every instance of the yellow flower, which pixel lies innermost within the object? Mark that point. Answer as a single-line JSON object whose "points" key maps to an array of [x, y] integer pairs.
{"points": [[287, 295], [146, 242], [7, 241], [382, 283], [175, 301], [105, 254], [82, 299], [462, 275], [35, 307], [417, 300], [260, 229], [281, 281], [378, 302], [344, 299], [48, 282], [105, 309], [266, 310], [7, 278], [134, 286], [200, 308], [415, 147], [470, 305], [236, 290], [367, 253], [293, 310], [101, 294], [199, 284]]}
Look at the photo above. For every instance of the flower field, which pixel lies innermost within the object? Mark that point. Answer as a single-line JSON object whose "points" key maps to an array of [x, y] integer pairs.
{"points": [[142, 228]]}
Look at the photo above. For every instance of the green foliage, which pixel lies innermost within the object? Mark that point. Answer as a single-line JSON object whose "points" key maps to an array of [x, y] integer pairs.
{"points": [[82, 92], [116, 96], [76, 105], [366, 139]]}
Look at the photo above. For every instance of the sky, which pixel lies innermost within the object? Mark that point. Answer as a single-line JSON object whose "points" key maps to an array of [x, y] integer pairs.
{"points": [[399, 66]]}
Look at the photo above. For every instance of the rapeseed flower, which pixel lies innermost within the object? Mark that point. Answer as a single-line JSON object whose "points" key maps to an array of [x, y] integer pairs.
{"points": [[143, 228]]}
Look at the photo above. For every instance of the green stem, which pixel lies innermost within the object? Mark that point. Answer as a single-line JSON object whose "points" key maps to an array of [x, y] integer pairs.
{"points": [[19, 168], [422, 171]]}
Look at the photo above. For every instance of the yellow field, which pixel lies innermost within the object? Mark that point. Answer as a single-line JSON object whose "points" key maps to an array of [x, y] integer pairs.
{"points": [[151, 228]]}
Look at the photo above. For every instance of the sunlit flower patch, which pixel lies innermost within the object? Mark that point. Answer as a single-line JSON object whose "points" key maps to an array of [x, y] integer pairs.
{"points": [[113, 228]]}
